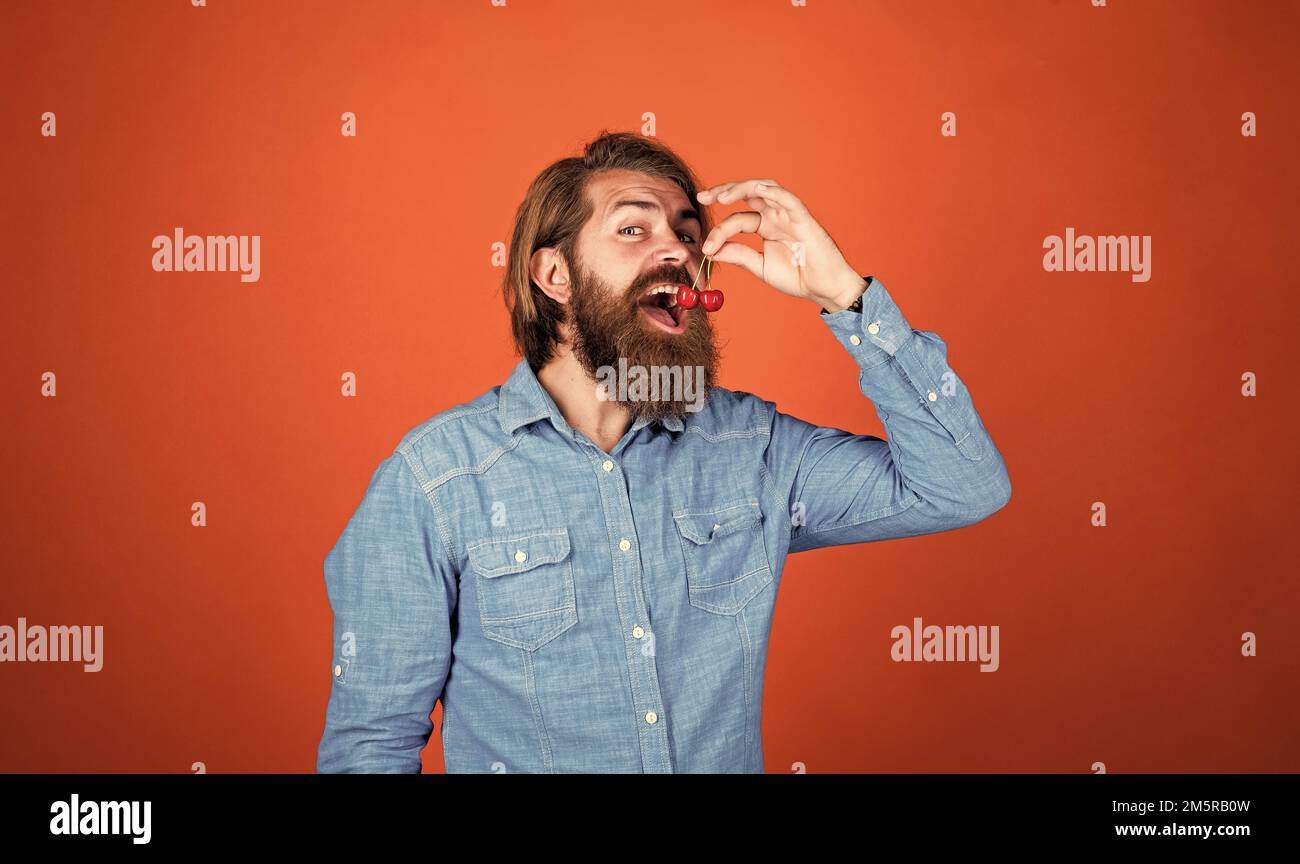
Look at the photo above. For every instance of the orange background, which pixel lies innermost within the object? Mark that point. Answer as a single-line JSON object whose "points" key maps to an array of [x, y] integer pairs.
{"points": [[1118, 644]]}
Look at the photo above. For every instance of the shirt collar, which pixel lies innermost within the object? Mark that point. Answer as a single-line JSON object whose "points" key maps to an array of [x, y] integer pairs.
{"points": [[523, 400]]}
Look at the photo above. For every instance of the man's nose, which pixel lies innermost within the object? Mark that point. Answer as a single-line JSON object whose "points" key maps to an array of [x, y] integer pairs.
{"points": [[674, 251]]}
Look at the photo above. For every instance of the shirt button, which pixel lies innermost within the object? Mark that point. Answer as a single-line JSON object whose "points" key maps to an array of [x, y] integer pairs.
{"points": [[855, 339], [651, 717], [607, 465], [521, 556], [637, 632], [624, 545], [931, 396], [338, 670], [873, 328]]}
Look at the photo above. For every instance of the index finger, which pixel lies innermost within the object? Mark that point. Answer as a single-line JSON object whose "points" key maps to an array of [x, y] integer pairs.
{"points": [[768, 193], [719, 188]]}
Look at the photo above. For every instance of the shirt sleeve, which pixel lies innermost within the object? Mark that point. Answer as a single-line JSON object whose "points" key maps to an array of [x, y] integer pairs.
{"points": [[938, 469], [392, 589]]}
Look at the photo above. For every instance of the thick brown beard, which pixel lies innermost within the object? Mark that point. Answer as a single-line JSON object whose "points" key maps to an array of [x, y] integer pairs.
{"points": [[606, 326]]}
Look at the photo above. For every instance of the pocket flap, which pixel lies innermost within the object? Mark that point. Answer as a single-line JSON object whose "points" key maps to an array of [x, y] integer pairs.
{"points": [[500, 556], [705, 527]]}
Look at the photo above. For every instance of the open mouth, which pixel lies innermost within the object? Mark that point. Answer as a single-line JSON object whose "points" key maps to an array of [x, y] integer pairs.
{"points": [[659, 304]]}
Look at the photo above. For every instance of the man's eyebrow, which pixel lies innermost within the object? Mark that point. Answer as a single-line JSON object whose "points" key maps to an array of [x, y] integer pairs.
{"points": [[686, 214]]}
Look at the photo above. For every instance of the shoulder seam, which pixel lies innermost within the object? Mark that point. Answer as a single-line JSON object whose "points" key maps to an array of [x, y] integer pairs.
{"points": [[487, 463], [448, 416], [761, 425]]}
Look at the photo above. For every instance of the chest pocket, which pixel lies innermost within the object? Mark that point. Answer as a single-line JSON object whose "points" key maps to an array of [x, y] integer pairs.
{"points": [[525, 587], [726, 562]]}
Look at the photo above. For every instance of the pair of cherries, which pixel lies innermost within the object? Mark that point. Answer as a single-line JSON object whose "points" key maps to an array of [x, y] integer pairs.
{"points": [[688, 297]]}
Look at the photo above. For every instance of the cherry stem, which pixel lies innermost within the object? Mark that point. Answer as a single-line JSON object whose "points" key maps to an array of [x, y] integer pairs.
{"points": [[708, 262]]}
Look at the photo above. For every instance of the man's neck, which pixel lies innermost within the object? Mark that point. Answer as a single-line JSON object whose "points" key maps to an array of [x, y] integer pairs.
{"points": [[574, 393]]}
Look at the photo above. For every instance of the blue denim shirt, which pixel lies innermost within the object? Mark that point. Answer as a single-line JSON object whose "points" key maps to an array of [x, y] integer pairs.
{"points": [[584, 611]]}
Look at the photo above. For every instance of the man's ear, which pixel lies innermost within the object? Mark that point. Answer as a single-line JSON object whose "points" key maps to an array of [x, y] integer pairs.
{"points": [[551, 273]]}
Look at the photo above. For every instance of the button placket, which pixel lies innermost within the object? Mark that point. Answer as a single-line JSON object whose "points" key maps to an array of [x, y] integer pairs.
{"points": [[655, 754]]}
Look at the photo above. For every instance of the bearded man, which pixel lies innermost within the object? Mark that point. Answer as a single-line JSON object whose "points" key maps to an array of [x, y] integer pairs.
{"points": [[585, 576]]}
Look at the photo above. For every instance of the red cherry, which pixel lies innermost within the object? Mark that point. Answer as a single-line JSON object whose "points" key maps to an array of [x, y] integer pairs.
{"points": [[687, 297], [711, 300]]}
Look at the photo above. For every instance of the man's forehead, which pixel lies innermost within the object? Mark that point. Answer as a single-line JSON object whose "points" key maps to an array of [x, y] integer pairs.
{"points": [[620, 185]]}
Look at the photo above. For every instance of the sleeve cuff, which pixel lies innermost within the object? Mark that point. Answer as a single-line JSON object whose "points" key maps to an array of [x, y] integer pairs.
{"points": [[876, 333]]}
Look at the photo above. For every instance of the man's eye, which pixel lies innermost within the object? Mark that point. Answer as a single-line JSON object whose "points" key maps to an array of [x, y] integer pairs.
{"points": [[687, 238]]}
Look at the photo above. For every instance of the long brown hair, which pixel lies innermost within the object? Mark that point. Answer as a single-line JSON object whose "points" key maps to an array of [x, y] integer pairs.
{"points": [[553, 212]]}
